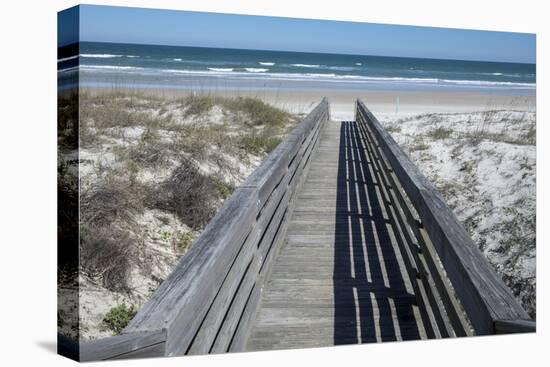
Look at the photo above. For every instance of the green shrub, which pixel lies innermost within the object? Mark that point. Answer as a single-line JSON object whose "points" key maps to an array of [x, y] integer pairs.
{"points": [[259, 112], [259, 143], [394, 128], [418, 144], [223, 188], [183, 240], [531, 135], [272, 143], [188, 193], [150, 151], [197, 105], [440, 133], [118, 318]]}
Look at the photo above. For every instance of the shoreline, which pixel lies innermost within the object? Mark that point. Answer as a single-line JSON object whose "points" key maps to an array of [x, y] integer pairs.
{"points": [[383, 103]]}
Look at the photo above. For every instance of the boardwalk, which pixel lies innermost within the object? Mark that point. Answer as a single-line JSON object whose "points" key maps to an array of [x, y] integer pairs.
{"points": [[339, 279], [336, 238]]}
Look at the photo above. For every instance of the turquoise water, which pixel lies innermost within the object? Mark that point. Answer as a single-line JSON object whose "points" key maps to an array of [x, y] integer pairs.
{"points": [[172, 67]]}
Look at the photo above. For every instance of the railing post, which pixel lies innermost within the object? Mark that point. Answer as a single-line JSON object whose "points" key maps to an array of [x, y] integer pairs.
{"points": [[205, 286], [131, 345], [484, 296]]}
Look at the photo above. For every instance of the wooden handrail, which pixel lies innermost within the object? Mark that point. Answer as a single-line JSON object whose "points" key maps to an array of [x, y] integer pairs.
{"points": [[486, 299], [130, 345], [204, 303], [207, 303], [515, 326]]}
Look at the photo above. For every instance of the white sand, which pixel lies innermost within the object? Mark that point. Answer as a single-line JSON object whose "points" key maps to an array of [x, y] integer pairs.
{"points": [[380, 102], [157, 232], [490, 186], [486, 171]]}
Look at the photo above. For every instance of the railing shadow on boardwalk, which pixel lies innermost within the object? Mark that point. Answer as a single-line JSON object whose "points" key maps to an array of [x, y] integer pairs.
{"points": [[209, 302], [371, 300]]}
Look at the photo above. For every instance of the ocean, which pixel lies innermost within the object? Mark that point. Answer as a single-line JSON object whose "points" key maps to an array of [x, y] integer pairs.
{"points": [[153, 66]]}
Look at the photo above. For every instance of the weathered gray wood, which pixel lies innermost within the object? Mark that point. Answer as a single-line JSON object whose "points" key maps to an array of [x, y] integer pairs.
{"points": [[131, 345], [264, 273], [265, 177], [270, 244], [450, 319], [429, 304], [482, 293], [515, 326], [268, 247], [152, 351], [442, 289], [208, 330], [288, 337], [238, 316], [297, 307], [264, 229], [201, 302], [182, 300], [240, 338], [235, 311]]}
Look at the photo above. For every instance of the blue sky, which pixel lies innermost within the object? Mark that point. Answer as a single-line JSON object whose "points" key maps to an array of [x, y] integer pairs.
{"points": [[149, 26]]}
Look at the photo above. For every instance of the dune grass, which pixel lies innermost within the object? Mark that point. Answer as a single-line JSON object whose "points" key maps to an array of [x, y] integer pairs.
{"points": [[145, 136]]}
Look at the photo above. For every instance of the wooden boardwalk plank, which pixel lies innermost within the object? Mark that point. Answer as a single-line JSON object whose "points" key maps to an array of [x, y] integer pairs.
{"points": [[339, 278]]}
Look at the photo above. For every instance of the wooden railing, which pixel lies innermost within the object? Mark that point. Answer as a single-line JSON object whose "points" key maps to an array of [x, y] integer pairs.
{"points": [[457, 290], [206, 303]]}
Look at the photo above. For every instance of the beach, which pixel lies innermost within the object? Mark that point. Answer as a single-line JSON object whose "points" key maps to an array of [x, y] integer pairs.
{"points": [[478, 149], [388, 103], [145, 110]]}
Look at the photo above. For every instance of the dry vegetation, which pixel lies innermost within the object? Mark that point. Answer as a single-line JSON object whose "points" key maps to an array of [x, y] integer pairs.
{"points": [[484, 165], [153, 172]]}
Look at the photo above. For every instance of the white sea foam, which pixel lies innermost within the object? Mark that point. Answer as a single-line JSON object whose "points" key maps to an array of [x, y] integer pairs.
{"points": [[221, 69], [256, 70], [266, 63], [358, 64], [252, 73], [342, 68], [306, 65], [310, 75], [177, 59], [488, 83], [101, 56], [107, 56], [507, 74], [387, 79], [111, 67]]}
